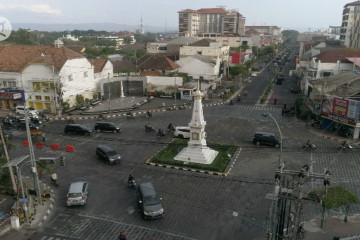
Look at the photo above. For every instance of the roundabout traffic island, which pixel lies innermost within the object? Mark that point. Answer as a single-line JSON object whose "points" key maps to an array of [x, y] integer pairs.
{"points": [[165, 158]]}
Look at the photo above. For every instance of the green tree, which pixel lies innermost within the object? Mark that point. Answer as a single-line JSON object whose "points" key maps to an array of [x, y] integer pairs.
{"points": [[127, 40], [334, 197]]}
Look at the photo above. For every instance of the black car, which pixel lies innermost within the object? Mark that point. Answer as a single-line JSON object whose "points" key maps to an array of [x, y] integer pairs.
{"points": [[149, 201], [266, 138], [108, 154], [77, 129], [106, 127]]}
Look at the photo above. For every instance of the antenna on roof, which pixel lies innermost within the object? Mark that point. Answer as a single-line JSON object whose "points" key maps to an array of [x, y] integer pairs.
{"points": [[42, 55]]}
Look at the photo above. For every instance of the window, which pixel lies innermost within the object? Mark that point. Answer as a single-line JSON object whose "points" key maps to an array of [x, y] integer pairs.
{"points": [[36, 86], [5, 85], [38, 97], [12, 84], [70, 77], [47, 98]]}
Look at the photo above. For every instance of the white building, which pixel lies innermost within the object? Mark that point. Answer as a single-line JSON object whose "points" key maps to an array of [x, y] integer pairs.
{"points": [[206, 47], [47, 77], [198, 66]]}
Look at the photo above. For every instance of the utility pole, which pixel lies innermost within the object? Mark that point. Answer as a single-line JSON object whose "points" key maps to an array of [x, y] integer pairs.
{"points": [[289, 209]]}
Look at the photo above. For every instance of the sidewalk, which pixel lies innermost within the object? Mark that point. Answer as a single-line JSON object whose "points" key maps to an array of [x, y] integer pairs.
{"points": [[333, 227], [38, 213]]}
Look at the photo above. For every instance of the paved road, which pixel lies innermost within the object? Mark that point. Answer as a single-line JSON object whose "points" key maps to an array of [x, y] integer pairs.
{"points": [[193, 202], [197, 206]]}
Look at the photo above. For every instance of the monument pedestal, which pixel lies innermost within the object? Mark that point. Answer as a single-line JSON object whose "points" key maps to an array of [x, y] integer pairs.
{"points": [[196, 155]]}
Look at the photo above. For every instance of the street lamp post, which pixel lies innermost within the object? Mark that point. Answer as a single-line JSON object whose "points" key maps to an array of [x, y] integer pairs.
{"points": [[278, 180], [32, 154], [281, 164]]}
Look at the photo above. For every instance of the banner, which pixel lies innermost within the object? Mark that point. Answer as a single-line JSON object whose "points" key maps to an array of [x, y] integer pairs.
{"points": [[340, 106]]}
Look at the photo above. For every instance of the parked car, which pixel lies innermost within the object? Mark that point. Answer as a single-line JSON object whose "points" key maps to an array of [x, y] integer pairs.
{"points": [[77, 129], [106, 153], [106, 127], [182, 132], [266, 138], [77, 194], [21, 110], [149, 201]]}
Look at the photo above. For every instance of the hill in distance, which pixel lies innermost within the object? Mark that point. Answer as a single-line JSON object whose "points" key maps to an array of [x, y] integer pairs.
{"points": [[109, 27]]}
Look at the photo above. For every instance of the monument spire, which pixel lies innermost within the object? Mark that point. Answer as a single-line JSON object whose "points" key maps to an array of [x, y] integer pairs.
{"points": [[197, 150]]}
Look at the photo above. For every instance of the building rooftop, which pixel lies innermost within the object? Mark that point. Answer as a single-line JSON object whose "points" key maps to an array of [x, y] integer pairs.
{"points": [[332, 55], [14, 58]]}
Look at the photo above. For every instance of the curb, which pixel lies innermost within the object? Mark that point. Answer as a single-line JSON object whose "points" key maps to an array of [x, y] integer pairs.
{"points": [[224, 174], [48, 211], [123, 114]]}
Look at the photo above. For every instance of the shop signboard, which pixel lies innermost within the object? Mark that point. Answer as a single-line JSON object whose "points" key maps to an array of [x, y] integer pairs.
{"points": [[340, 106], [340, 109]]}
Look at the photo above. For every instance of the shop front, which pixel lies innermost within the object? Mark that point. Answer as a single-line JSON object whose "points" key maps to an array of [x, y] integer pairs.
{"points": [[340, 116], [10, 99]]}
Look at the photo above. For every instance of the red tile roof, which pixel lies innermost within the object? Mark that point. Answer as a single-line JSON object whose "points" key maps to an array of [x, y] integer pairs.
{"points": [[98, 64], [14, 58], [205, 11], [149, 73], [212, 10], [157, 62], [332, 56], [123, 66], [187, 11]]}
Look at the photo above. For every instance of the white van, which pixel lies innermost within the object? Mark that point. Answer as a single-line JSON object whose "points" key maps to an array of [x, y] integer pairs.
{"points": [[21, 110], [182, 132]]}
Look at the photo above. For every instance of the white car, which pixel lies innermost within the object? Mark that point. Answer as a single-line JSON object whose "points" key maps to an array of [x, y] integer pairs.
{"points": [[21, 110], [182, 132], [254, 74]]}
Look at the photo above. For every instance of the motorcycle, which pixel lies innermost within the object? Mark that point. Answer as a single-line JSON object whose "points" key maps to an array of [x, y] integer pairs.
{"points": [[148, 114], [309, 146], [53, 179], [149, 128], [160, 133], [130, 115], [132, 184], [345, 146]]}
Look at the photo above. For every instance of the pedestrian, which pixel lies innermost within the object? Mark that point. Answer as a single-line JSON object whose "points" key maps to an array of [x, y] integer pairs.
{"points": [[43, 137], [275, 101], [122, 236]]}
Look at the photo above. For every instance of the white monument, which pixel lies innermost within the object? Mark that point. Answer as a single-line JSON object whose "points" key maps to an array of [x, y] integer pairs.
{"points": [[197, 151]]}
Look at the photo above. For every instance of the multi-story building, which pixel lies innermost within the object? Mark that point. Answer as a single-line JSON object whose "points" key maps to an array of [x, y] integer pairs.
{"points": [[350, 24], [211, 21]]}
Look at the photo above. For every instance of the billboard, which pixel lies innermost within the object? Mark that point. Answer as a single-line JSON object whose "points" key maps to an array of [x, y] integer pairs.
{"points": [[341, 108]]}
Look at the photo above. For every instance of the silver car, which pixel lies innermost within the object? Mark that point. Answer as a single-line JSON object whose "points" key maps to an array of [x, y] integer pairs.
{"points": [[78, 193]]}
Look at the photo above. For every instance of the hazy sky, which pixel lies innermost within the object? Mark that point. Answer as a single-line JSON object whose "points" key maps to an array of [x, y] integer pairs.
{"points": [[289, 14]]}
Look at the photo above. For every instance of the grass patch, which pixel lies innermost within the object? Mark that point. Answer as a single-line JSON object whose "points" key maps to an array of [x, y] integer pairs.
{"points": [[167, 154]]}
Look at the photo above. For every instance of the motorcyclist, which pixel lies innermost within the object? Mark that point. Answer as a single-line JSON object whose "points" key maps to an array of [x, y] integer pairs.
{"points": [[170, 127], [131, 180], [160, 132], [53, 178], [130, 114], [308, 143], [148, 114], [122, 236]]}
